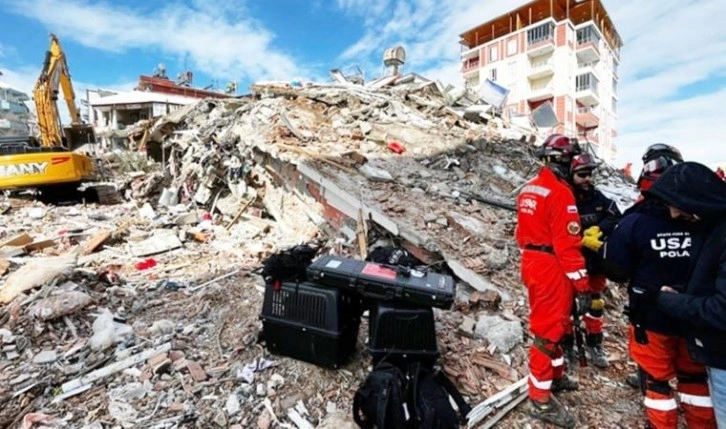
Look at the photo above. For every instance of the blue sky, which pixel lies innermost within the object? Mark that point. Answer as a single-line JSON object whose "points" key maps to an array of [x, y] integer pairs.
{"points": [[672, 72]]}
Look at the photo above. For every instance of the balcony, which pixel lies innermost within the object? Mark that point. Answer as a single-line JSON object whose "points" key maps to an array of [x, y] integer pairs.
{"points": [[586, 118], [541, 68], [587, 67], [470, 65], [588, 44], [541, 90], [541, 40], [586, 89]]}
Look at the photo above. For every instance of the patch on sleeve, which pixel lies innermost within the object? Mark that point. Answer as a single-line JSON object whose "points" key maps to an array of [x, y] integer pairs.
{"points": [[571, 209], [573, 228]]}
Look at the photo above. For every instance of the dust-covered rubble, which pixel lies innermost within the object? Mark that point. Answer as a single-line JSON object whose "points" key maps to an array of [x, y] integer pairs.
{"points": [[145, 313]]}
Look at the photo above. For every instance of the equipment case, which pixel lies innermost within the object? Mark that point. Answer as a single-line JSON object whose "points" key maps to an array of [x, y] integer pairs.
{"points": [[312, 323], [399, 332], [383, 282]]}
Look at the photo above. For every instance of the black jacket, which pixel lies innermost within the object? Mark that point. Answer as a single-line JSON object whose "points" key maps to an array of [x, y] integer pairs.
{"points": [[597, 209], [648, 249], [695, 189]]}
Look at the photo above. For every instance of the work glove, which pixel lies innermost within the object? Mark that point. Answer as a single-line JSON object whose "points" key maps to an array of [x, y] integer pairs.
{"points": [[591, 238], [582, 303]]}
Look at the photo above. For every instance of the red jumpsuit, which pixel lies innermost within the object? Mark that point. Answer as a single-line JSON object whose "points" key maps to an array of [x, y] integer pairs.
{"points": [[548, 232]]}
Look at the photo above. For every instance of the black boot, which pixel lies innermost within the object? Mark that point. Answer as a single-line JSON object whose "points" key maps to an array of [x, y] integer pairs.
{"points": [[552, 412], [594, 349], [569, 353], [633, 380], [564, 383]]}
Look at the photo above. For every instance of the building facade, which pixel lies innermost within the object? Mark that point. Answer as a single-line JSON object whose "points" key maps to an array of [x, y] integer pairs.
{"points": [[16, 119], [563, 52]]}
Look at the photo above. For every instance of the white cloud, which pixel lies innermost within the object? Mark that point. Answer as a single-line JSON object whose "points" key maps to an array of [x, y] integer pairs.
{"points": [[23, 79], [220, 38], [669, 46]]}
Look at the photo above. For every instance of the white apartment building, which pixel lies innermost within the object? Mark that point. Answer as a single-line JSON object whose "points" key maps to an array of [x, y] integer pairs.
{"points": [[565, 52]]}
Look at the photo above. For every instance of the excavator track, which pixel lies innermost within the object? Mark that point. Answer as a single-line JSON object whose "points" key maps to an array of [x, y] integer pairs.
{"points": [[72, 194]]}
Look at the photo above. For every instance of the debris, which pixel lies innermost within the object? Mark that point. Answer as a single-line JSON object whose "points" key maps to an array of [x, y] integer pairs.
{"points": [[36, 273], [239, 179], [196, 371], [4, 265], [512, 394], [502, 333], [47, 421], [18, 240], [232, 406], [97, 240], [46, 356], [299, 420], [60, 305], [161, 242], [467, 327], [106, 331], [114, 368]]}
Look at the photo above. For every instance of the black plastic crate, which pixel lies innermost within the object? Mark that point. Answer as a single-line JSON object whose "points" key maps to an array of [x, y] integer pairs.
{"points": [[399, 332], [313, 323]]}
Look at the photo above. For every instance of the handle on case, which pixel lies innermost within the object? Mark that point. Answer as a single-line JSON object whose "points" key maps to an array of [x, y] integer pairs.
{"points": [[387, 295]]}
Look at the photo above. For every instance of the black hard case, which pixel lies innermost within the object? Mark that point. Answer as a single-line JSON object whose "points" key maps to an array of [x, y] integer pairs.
{"points": [[312, 323], [402, 333], [383, 282]]}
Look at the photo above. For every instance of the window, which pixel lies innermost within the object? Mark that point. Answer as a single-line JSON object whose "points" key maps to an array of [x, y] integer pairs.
{"points": [[493, 53], [493, 74], [541, 33], [586, 81], [512, 47], [588, 35]]}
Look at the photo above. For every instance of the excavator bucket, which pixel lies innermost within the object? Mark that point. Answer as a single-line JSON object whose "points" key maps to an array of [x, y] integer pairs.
{"points": [[79, 136]]}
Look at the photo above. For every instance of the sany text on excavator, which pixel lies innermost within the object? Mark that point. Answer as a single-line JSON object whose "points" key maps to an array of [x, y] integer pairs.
{"points": [[49, 163]]}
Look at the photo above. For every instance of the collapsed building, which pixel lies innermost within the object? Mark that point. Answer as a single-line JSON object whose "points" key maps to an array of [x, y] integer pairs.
{"points": [[348, 165]]}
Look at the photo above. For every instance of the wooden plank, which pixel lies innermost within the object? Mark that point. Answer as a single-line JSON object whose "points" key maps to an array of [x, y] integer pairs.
{"points": [[94, 242], [18, 240]]}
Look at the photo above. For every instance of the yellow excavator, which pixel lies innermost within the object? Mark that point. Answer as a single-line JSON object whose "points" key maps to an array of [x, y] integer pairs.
{"points": [[48, 163]]}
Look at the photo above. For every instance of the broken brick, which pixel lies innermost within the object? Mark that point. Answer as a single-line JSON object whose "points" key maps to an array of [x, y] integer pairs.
{"points": [[196, 371]]}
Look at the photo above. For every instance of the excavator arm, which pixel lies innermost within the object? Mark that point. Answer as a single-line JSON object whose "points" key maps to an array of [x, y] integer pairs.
{"points": [[54, 77]]}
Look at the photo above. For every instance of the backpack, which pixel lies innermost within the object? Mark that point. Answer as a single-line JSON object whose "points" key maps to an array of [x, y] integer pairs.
{"points": [[391, 255], [429, 393], [288, 265], [418, 399], [380, 400]]}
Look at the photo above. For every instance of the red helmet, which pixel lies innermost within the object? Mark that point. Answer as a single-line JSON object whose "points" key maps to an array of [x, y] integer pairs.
{"points": [[653, 169], [559, 149], [583, 161]]}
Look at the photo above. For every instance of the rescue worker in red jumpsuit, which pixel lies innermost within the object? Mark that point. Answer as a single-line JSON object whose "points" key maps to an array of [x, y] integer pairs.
{"points": [[553, 270], [649, 248], [598, 216]]}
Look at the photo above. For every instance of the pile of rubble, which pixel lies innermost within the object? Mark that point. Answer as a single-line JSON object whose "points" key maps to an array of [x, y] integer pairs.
{"points": [[145, 314]]}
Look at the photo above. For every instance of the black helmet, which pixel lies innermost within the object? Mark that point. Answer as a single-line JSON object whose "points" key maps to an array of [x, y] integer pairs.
{"points": [[658, 150], [653, 169]]}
